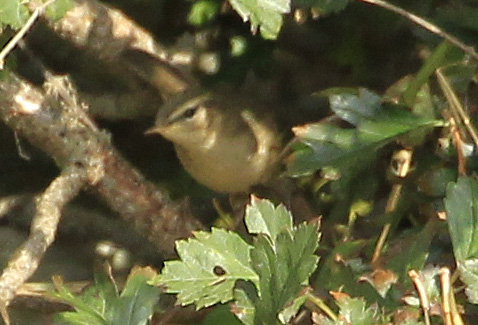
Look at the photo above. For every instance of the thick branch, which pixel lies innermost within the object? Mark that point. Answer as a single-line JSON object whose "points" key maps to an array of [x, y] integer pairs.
{"points": [[64, 131]]}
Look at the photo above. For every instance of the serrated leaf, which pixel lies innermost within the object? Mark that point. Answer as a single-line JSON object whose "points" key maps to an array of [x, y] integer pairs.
{"points": [[89, 306], [210, 265], [263, 14], [262, 217], [461, 204], [332, 146], [13, 13], [355, 311], [101, 303], [469, 276], [284, 269]]}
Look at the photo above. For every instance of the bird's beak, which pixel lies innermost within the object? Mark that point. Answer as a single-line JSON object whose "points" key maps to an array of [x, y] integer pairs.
{"points": [[153, 130]]}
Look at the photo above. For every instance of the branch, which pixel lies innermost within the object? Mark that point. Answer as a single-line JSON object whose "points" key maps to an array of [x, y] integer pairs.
{"points": [[53, 120], [42, 233]]}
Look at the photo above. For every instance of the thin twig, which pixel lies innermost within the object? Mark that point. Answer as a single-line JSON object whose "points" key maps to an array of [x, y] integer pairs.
{"points": [[22, 32], [42, 233], [456, 105], [445, 295], [425, 24], [459, 145], [404, 160], [422, 294]]}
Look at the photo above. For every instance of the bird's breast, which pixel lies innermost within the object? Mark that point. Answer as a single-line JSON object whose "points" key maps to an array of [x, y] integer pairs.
{"points": [[225, 166]]}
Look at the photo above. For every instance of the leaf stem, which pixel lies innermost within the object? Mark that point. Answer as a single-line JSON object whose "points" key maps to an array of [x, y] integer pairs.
{"points": [[323, 306]]}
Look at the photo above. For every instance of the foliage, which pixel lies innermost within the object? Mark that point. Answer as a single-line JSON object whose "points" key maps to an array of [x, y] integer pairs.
{"points": [[263, 14], [461, 204], [14, 13], [396, 87], [376, 125], [103, 304], [353, 311], [279, 264]]}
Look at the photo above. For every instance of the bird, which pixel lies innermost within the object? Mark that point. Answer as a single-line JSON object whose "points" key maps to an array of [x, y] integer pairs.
{"points": [[225, 139]]}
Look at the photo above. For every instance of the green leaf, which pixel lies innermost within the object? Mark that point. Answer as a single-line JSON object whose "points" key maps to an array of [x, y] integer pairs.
{"points": [[137, 300], [293, 307], [78, 318], [355, 311], [431, 64], [355, 108], [101, 304], [332, 146], [276, 268], [414, 251], [210, 265], [89, 306], [263, 14], [243, 307], [342, 138], [434, 181], [462, 208], [58, 9], [284, 269], [335, 275], [461, 204], [469, 276], [263, 218], [203, 12], [13, 13]]}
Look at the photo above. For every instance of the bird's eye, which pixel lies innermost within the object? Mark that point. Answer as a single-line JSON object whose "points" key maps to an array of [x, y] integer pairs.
{"points": [[189, 112]]}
